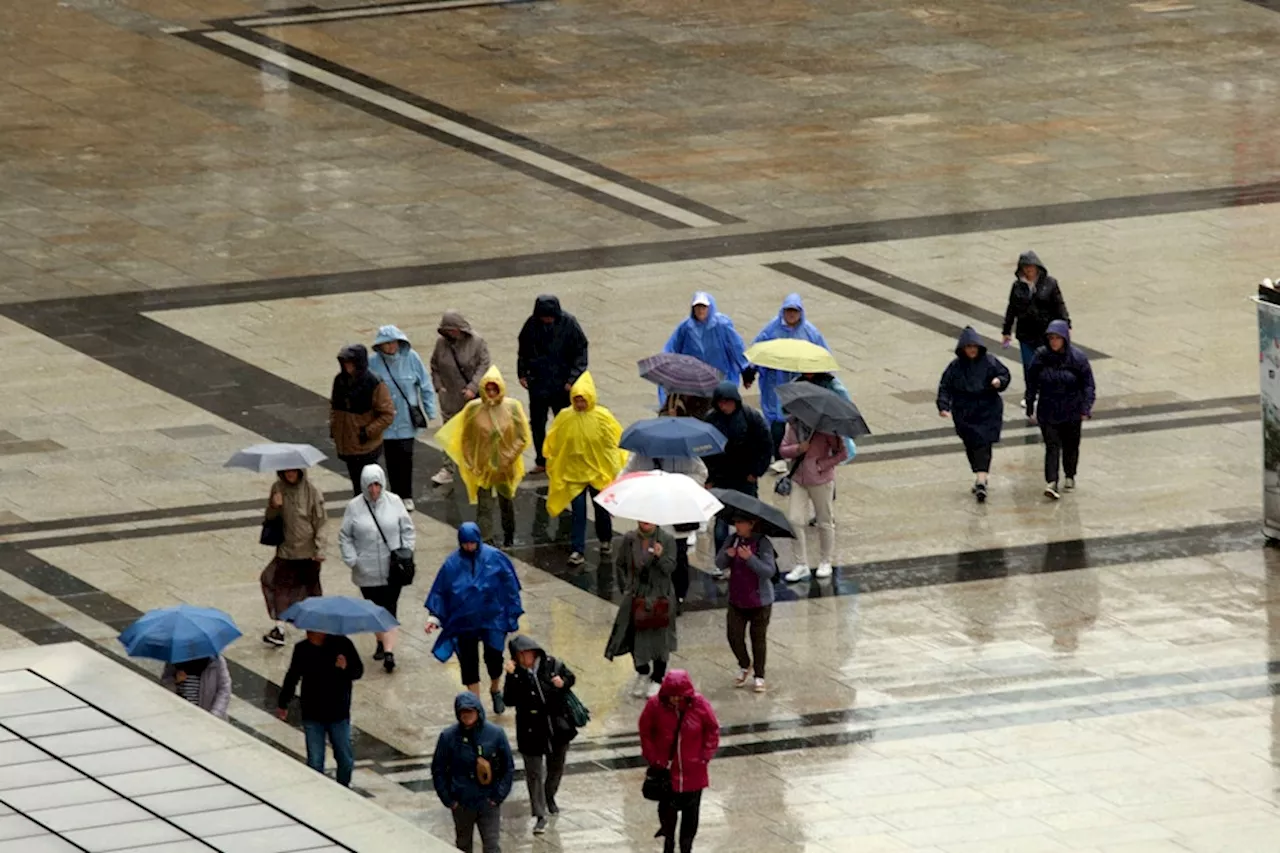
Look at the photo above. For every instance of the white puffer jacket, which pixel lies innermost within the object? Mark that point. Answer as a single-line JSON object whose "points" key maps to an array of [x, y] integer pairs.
{"points": [[359, 541]]}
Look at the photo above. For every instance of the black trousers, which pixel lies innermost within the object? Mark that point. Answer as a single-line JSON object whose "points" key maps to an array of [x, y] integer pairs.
{"points": [[979, 457], [540, 406], [468, 652], [656, 671], [1061, 441], [681, 575], [398, 453], [355, 465], [777, 431], [384, 596], [688, 808], [736, 621]]}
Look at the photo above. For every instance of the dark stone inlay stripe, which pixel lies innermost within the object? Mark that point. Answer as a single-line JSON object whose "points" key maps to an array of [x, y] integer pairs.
{"points": [[376, 10]]}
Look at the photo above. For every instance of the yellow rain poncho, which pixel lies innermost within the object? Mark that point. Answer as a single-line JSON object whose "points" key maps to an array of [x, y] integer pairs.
{"points": [[487, 440], [581, 448]]}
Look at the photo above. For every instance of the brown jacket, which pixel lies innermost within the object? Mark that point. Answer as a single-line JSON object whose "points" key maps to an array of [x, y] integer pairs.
{"points": [[304, 518], [457, 366], [344, 427]]}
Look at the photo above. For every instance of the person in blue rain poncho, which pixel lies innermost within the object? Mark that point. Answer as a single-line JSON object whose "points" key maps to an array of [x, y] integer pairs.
{"points": [[790, 323], [710, 337], [474, 603]]}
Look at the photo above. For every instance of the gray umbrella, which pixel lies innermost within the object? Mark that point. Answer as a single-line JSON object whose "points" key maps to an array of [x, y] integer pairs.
{"points": [[275, 457]]}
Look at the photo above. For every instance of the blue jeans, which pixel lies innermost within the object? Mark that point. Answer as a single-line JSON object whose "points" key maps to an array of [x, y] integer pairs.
{"points": [[604, 521], [1028, 353], [339, 735]]}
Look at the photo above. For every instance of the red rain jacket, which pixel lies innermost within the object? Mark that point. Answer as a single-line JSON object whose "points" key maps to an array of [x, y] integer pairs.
{"points": [[699, 736]]}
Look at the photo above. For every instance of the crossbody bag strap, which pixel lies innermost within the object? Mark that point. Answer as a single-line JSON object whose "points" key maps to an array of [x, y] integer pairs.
{"points": [[458, 363], [392, 377], [374, 516]]}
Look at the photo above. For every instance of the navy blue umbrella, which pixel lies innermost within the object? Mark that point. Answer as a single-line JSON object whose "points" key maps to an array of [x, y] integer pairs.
{"points": [[682, 438], [176, 634], [337, 614]]}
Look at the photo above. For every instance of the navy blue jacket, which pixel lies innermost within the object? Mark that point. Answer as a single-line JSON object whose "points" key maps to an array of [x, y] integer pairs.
{"points": [[965, 391], [1060, 384], [453, 767]]}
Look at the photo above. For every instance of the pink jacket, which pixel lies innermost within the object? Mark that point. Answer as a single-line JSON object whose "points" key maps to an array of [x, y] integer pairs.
{"points": [[826, 451], [699, 737]]}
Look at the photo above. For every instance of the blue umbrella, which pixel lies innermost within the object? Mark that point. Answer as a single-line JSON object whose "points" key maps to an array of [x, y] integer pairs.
{"points": [[177, 634], [673, 437], [337, 614]]}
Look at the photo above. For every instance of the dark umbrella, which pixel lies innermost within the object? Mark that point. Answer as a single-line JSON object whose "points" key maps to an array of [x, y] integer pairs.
{"points": [[681, 438], [771, 519], [821, 409], [680, 374]]}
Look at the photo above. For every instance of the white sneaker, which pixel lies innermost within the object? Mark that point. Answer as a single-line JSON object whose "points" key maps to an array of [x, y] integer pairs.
{"points": [[797, 574], [443, 477], [640, 688], [408, 505], [693, 541], [744, 675], [824, 570], [653, 688], [780, 467], [759, 687]]}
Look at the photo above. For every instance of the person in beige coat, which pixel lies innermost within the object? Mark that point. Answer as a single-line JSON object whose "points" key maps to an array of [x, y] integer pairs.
{"points": [[458, 364], [294, 573]]}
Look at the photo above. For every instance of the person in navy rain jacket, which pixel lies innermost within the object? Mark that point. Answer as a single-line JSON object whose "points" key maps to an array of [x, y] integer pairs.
{"points": [[472, 771], [1060, 394], [969, 393]]}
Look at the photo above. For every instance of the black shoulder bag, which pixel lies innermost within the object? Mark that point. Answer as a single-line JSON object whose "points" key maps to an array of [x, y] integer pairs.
{"points": [[401, 570], [416, 416], [657, 780]]}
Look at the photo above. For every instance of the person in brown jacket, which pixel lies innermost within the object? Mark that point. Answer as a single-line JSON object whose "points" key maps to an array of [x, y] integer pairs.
{"points": [[360, 409], [458, 362], [294, 573]]}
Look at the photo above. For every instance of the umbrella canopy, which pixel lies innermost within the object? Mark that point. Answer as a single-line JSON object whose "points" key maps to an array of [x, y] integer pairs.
{"points": [[338, 614], [659, 497], [821, 409], [792, 354], [177, 634], [673, 437], [772, 520], [275, 457], [680, 374]]}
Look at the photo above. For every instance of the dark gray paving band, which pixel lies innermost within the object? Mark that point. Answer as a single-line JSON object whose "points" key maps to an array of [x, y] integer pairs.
{"points": [[313, 15]]}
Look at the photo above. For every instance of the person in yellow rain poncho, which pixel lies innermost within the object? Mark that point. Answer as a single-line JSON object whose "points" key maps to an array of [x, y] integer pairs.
{"points": [[487, 440], [582, 458]]}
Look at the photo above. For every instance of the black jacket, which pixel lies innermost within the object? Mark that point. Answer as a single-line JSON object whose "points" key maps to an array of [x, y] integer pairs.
{"points": [[1032, 311], [965, 391], [543, 720], [1060, 386], [326, 690], [553, 355], [749, 448]]}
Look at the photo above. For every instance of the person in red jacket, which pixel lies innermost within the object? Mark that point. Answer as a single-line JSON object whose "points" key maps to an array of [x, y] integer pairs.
{"points": [[679, 731]]}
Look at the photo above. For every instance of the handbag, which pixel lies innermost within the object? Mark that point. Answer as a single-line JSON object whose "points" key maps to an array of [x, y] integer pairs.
{"points": [[578, 712], [272, 531], [416, 415], [782, 486], [401, 569], [657, 780], [650, 618]]}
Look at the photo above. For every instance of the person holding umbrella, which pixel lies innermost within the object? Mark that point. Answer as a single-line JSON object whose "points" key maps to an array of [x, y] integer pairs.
{"points": [[815, 452], [398, 365], [969, 394], [710, 337], [687, 382], [360, 410], [326, 664], [747, 450], [190, 641], [204, 682], [749, 558], [645, 626]]}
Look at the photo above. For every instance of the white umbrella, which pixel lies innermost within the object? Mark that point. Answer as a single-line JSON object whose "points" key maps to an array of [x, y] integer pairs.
{"points": [[659, 497], [275, 457]]}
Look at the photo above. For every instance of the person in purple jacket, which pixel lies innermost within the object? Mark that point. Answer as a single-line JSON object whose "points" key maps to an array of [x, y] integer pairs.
{"points": [[750, 561], [1060, 394]]}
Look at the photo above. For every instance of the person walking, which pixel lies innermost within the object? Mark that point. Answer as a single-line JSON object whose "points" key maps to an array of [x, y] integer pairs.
{"points": [[749, 558], [814, 456], [475, 603], [360, 410], [400, 367], [375, 524], [969, 394], [690, 466], [458, 362], [326, 664], [790, 323], [486, 441], [710, 337], [537, 686], [583, 457], [747, 451], [552, 355], [1035, 301], [1060, 394], [204, 682], [679, 732], [294, 573], [645, 626], [472, 770]]}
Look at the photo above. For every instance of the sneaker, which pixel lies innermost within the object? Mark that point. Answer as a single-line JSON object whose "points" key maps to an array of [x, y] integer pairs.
{"points": [[1069, 484], [693, 541], [606, 548], [379, 653], [408, 505], [576, 558], [640, 687], [980, 492], [508, 539], [389, 662], [443, 477], [759, 686], [744, 675], [552, 808], [653, 688], [824, 571], [779, 467], [797, 574], [1051, 491], [274, 637], [717, 573], [499, 707], [540, 826]]}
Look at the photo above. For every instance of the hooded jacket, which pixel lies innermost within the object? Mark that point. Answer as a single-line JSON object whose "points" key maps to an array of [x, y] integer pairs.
{"points": [[581, 448], [965, 391], [1060, 385], [487, 440], [553, 355], [474, 593], [818, 464], [693, 741], [776, 329], [359, 539], [302, 505], [215, 685], [457, 365], [407, 381], [748, 447], [453, 767], [1031, 309], [360, 406], [543, 720], [713, 341]]}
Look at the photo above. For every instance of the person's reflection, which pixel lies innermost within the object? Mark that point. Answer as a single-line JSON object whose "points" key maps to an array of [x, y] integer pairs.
{"points": [[756, 789], [981, 593], [1271, 563]]}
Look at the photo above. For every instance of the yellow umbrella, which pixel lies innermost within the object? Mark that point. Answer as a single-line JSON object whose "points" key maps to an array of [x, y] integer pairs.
{"points": [[793, 355]]}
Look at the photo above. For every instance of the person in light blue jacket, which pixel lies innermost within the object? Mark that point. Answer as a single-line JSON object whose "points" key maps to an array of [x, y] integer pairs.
{"points": [[396, 364]]}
